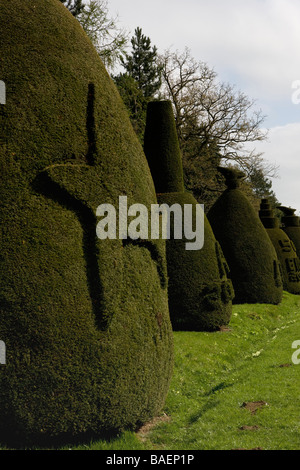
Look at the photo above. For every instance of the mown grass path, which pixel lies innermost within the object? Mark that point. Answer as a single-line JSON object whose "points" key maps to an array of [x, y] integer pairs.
{"points": [[217, 374]]}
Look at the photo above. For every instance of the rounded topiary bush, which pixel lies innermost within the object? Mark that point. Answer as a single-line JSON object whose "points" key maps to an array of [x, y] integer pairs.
{"points": [[285, 249], [200, 294], [85, 321], [252, 260], [291, 226]]}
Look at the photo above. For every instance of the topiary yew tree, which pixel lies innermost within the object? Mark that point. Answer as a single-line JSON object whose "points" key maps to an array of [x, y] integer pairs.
{"points": [[251, 257], [291, 226], [285, 248], [200, 294], [85, 321]]}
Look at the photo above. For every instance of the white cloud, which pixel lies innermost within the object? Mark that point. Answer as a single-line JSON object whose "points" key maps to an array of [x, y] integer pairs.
{"points": [[256, 41], [256, 47], [252, 44]]}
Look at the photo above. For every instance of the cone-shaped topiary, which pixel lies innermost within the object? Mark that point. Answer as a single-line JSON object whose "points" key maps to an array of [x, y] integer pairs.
{"points": [[251, 257], [285, 248], [291, 226], [85, 321], [200, 294], [162, 149]]}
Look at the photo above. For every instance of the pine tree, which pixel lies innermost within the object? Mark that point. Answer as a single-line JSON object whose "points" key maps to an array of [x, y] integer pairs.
{"points": [[141, 81], [142, 64], [134, 101]]}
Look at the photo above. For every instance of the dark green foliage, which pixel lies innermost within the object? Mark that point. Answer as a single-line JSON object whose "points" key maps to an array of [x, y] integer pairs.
{"points": [[134, 101], [142, 64], [251, 257], [162, 148], [75, 6], [200, 162], [85, 321], [291, 226], [200, 294], [262, 186], [285, 249], [141, 81]]}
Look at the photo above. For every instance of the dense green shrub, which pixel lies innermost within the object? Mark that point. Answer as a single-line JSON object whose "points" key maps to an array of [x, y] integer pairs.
{"points": [[161, 147], [291, 226], [85, 321], [285, 249], [251, 257], [200, 294]]}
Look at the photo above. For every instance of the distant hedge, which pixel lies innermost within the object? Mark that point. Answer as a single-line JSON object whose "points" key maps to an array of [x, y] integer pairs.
{"points": [[253, 263], [86, 322], [285, 248], [200, 294], [291, 226]]}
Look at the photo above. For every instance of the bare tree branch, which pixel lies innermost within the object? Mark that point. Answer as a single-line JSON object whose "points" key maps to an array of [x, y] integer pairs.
{"points": [[209, 110]]}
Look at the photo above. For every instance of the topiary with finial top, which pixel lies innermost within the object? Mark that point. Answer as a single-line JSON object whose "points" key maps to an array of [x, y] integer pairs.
{"points": [[253, 263], [290, 224], [285, 248], [200, 294]]}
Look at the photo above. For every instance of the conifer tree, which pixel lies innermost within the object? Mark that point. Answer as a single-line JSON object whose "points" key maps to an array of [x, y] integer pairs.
{"points": [[134, 101], [142, 64], [141, 80]]}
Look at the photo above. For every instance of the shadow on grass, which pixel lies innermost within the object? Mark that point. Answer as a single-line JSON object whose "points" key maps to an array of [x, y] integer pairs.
{"points": [[217, 388], [207, 407], [211, 404], [10, 441]]}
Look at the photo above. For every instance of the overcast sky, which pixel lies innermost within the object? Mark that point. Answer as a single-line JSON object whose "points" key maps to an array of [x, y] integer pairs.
{"points": [[252, 44]]}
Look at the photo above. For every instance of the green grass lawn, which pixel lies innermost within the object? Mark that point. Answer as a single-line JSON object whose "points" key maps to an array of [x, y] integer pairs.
{"points": [[216, 373]]}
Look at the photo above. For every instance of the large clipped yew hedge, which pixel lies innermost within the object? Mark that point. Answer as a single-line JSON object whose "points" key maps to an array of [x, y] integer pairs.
{"points": [[290, 224], [85, 322], [200, 294], [252, 259], [285, 248]]}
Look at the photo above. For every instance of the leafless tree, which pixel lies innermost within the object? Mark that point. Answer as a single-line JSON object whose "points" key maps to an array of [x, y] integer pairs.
{"points": [[109, 40], [209, 111], [216, 125]]}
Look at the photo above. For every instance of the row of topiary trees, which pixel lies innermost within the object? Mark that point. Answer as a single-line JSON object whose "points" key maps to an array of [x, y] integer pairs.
{"points": [[86, 322], [257, 258]]}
